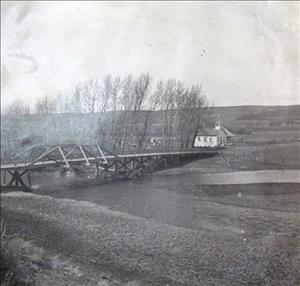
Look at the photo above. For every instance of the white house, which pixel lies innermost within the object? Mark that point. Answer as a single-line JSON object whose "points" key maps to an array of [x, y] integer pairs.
{"points": [[213, 137]]}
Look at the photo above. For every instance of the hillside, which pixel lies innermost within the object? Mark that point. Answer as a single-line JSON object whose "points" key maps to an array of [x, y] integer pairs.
{"points": [[255, 123]]}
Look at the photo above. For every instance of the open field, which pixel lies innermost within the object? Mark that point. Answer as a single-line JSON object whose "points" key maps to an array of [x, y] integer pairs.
{"points": [[271, 156], [258, 157]]}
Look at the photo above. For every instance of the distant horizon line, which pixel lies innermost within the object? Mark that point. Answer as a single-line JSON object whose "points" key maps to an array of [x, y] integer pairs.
{"points": [[255, 105], [2, 112]]}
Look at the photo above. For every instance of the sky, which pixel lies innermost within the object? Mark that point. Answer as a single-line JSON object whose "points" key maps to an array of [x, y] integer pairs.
{"points": [[243, 53]]}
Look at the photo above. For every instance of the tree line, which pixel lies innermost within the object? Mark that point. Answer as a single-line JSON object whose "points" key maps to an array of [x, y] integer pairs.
{"points": [[127, 108]]}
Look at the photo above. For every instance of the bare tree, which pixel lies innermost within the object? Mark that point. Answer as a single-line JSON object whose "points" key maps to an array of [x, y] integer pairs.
{"points": [[18, 107], [125, 104], [63, 104], [106, 92], [115, 93], [46, 105], [103, 130], [90, 93], [182, 110], [192, 111], [139, 124], [109, 125], [115, 116], [75, 103], [141, 90], [167, 104], [86, 97], [126, 107]]}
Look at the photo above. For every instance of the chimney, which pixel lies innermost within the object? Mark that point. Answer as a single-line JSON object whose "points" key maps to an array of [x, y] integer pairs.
{"points": [[218, 125]]}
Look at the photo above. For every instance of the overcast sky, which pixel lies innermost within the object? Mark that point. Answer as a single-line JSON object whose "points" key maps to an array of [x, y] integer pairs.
{"points": [[242, 52]]}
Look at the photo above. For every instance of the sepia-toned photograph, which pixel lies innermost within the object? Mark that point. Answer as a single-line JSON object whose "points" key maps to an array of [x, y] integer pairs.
{"points": [[150, 143]]}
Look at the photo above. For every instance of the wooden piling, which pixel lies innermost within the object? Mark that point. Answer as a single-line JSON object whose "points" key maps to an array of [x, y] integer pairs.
{"points": [[29, 179], [4, 177]]}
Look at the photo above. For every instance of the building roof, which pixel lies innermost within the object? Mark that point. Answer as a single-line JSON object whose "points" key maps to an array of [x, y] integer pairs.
{"points": [[215, 132]]}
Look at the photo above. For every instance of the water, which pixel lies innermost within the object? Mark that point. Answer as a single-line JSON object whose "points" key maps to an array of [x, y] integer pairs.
{"points": [[188, 200]]}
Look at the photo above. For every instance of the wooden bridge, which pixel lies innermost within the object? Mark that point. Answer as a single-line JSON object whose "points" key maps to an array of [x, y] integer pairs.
{"points": [[108, 165]]}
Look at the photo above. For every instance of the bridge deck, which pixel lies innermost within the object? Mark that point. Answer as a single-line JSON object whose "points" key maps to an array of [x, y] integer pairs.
{"points": [[24, 165]]}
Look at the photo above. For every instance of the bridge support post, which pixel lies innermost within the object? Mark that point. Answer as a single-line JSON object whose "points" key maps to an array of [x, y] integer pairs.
{"points": [[16, 179], [97, 170], [29, 178], [4, 177], [105, 176], [116, 167], [165, 162]]}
